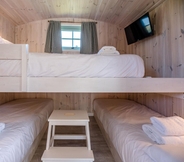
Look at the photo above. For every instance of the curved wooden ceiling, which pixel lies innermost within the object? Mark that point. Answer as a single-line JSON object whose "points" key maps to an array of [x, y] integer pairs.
{"points": [[121, 12]]}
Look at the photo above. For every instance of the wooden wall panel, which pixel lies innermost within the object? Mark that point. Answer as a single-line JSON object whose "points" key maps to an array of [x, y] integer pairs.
{"points": [[5, 97], [7, 29], [165, 104], [163, 53], [111, 11], [34, 34], [83, 101]]}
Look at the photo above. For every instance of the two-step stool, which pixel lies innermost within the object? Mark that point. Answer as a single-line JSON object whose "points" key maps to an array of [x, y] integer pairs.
{"points": [[68, 154]]}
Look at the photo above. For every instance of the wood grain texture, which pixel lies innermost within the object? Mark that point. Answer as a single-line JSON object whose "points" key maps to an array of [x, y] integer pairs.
{"points": [[165, 104], [71, 101], [34, 33], [7, 28], [5, 97], [163, 53], [117, 11]]}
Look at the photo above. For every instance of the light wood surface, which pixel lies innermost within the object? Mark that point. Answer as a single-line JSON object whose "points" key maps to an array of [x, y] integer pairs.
{"points": [[34, 33], [5, 97], [163, 53], [116, 11], [69, 115], [7, 28], [68, 154], [162, 103]]}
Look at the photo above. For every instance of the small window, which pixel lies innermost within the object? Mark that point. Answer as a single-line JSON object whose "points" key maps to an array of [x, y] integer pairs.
{"points": [[71, 36]]}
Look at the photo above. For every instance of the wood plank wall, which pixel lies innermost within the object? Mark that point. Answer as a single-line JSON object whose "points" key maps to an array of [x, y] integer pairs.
{"points": [[5, 97], [34, 33], [165, 104], [83, 101], [7, 29], [163, 55]]}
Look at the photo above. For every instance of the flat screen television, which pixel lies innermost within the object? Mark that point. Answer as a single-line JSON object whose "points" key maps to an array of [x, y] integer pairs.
{"points": [[139, 29]]}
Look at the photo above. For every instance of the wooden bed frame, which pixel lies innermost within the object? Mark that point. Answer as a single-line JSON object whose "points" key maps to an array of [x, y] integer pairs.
{"points": [[96, 85]]}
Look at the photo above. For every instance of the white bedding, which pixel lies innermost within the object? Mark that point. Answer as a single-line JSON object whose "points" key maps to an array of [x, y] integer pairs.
{"points": [[166, 153], [122, 121], [77, 65], [24, 119], [10, 68]]}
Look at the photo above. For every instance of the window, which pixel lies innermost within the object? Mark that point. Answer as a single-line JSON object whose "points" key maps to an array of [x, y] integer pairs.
{"points": [[71, 35]]}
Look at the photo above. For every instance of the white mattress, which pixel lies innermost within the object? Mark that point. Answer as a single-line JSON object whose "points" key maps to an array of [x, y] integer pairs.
{"points": [[122, 121], [24, 119], [77, 65]]}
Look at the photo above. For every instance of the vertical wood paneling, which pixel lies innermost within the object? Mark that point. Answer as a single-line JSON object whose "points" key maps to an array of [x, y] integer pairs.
{"points": [[163, 56], [162, 103], [177, 110], [166, 105], [163, 53], [67, 101], [5, 97], [7, 29], [34, 34]]}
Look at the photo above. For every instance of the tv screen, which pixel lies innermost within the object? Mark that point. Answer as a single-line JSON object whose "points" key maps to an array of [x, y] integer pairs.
{"points": [[139, 29]]}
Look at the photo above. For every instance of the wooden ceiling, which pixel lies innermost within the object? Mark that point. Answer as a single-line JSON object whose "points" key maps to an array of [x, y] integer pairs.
{"points": [[121, 12]]}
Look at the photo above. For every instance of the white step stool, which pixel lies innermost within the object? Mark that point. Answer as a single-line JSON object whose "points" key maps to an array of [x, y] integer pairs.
{"points": [[68, 154]]}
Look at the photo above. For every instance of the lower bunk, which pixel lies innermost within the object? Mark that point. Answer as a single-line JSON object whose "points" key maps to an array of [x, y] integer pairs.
{"points": [[25, 122], [121, 123]]}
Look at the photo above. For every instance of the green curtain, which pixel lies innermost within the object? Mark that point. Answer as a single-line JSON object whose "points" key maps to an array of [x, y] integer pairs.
{"points": [[53, 39], [89, 40]]}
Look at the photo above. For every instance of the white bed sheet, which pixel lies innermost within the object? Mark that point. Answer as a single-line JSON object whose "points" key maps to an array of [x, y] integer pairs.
{"points": [[24, 119], [10, 68], [81, 65], [122, 121], [77, 65]]}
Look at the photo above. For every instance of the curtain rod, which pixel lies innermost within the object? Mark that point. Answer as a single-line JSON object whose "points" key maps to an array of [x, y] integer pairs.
{"points": [[71, 21]]}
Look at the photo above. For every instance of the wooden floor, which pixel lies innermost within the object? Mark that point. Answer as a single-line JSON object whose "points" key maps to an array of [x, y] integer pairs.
{"points": [[98, 144]]}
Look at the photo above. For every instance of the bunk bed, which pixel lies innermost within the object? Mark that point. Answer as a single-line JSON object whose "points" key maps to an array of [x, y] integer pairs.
{"points": [[25, 123], [27, 82], [121, 124]]}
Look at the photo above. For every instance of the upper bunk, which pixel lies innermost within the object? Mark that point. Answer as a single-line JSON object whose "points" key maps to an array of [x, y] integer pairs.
{"points": [[26, 82]]}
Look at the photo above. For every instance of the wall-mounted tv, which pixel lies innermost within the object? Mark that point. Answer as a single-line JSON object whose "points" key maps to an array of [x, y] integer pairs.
{"points": [[139, 29]]}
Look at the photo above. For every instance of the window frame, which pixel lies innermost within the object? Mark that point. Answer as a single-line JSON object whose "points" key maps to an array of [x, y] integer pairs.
{"points": [[72, 28]]}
